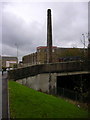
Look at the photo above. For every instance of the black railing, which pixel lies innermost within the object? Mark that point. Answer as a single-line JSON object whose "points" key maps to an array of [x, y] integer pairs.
{"points": [[66, 93]]}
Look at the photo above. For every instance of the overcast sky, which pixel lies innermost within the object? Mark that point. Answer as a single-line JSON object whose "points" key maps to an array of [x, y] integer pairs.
{"points": [[25, 25]]}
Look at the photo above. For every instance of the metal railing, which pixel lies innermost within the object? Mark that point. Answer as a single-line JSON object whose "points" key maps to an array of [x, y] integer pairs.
{"points": [[66, 93]]}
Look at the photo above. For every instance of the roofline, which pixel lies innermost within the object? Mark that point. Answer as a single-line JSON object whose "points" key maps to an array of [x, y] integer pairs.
{"points": [[45, 47]]}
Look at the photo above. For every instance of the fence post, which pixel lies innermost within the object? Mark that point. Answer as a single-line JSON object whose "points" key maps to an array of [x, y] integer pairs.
{"points": [[63, 92], [76, 96]]}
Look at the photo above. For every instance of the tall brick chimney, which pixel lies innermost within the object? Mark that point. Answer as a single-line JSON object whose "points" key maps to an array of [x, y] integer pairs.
{"points": [[49, 36]]}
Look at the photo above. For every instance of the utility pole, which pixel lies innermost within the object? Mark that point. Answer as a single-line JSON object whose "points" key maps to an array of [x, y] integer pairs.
{"points": [[17, 51], [84, 45], [88, 52]]}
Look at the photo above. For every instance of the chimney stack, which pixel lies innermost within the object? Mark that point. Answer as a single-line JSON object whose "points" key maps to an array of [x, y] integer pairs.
{"points": [[49, 36]]}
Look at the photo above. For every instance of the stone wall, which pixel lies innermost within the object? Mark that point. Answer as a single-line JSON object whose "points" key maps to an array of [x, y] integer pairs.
{"points": [[46, 82], [43, 77], [40, 82], [45, 68]]}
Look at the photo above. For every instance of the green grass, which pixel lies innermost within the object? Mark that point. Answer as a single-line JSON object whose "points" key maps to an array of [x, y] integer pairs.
{"points": [[28, 103]]}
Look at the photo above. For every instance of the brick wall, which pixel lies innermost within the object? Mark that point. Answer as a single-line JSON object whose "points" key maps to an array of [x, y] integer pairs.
{"points": [[40, 57]]}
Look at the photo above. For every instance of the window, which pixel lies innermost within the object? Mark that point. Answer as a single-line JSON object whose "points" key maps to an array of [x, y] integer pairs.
{"points": [[52, 50]]}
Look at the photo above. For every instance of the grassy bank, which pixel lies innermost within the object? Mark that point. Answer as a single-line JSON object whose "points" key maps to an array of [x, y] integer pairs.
{"points": [[28, 103]]}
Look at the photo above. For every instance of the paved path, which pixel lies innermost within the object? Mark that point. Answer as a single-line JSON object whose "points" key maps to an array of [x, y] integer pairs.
{"points": [[4, 96], [0, 95]]}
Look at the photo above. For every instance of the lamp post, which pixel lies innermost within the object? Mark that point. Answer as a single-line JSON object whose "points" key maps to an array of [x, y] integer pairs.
{"points": [[84, 44], [17, 50], [88, 51]]}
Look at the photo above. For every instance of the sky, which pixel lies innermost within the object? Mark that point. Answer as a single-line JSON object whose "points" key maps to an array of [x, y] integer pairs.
{"points": [[24, 25]]}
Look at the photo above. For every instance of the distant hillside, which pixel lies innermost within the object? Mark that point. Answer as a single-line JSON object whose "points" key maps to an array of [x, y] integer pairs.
{"points": [[28, 103]]}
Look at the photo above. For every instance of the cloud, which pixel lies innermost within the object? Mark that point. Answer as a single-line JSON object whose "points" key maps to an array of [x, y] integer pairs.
{"points": [[72, 21], [0, 28], [16, 31], [26, 25]]}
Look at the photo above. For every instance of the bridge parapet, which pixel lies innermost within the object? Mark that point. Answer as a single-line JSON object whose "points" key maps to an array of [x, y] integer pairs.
{"points": [[46, 68]]}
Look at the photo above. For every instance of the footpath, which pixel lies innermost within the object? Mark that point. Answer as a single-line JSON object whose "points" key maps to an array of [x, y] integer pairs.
{"points": [[4, 96], [0, 95]]}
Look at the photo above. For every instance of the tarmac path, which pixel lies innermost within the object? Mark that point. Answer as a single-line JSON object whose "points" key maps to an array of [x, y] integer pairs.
{"points": [[0, 95], [4, 96]]}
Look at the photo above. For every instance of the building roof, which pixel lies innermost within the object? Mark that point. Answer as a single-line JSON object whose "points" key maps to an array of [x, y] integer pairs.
{"points": [[9, 57], [45, 47]]}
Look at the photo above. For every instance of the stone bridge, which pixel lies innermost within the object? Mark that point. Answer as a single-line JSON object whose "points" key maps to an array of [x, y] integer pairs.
{"points": [[43, 77]]}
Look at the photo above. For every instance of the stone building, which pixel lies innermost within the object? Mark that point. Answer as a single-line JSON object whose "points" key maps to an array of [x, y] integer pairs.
{"points": [[9, 61], [58, 55]]}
